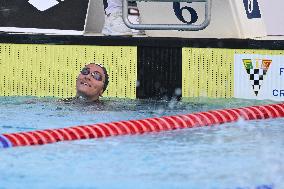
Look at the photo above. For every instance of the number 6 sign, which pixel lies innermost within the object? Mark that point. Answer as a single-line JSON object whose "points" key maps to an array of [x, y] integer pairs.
{"points": [[178, 12]]}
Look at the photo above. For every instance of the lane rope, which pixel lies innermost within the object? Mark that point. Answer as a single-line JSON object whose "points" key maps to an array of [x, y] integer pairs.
{"points": [[132, 127]]}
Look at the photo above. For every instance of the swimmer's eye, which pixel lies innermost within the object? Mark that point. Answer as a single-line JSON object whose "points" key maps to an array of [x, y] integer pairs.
{"points": [[96, 75]]}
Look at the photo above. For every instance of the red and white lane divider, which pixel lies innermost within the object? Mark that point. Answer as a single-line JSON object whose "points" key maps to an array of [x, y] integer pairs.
{"points": [[165, 123]]}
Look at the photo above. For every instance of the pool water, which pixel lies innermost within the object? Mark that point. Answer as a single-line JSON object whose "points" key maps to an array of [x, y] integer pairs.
{"points": [[241, 155]]}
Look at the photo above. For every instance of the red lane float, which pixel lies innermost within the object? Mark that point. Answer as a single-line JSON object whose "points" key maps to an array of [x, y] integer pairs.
{"points": [[141, 126]]}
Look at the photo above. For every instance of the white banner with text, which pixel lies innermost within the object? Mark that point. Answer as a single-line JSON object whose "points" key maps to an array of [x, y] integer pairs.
{"points": [[259, 76]]}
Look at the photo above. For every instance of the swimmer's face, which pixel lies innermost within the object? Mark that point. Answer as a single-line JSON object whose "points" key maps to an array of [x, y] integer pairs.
{"points": [[90, 82]]}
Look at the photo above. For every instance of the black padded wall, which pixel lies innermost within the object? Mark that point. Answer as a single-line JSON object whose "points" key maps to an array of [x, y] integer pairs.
{"points": [[159, 72]]}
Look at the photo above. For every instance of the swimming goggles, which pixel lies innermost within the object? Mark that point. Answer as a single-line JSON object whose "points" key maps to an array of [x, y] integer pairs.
{"points": [[96, 75]]}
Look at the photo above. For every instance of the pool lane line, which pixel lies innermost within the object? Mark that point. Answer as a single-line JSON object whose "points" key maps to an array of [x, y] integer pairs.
{"points": [[131, 127], [4, 142]]}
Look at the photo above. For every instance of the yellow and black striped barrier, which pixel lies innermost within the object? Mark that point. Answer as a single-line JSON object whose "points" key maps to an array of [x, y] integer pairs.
{"points": [[142, 67]]}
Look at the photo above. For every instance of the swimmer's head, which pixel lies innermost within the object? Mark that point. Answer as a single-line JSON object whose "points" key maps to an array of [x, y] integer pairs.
{"points": [[92, 82]]}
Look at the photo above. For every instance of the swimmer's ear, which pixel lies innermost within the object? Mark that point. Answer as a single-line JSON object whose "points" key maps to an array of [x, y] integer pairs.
{"points": [[101, 93]]}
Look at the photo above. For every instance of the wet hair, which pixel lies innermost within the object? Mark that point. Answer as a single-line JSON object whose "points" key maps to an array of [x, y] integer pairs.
{"points": [[106, 75]]}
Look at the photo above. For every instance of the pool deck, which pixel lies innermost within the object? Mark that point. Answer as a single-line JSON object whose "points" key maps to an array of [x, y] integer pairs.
{"points": [[268, 42]]}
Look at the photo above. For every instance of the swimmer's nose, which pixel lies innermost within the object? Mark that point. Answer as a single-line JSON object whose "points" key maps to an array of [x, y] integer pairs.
{"points": [[88, 77]]}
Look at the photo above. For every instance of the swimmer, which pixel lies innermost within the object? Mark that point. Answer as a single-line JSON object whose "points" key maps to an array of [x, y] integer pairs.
{"points": [[91, 82]]}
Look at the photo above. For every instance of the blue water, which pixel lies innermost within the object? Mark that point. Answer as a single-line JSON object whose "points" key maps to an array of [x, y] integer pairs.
{"points": [[242, 155]]}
